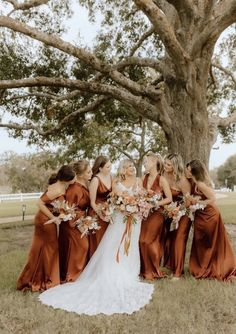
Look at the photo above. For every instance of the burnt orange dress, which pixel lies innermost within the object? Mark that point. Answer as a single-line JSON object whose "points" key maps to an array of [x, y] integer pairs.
{"points": [[176, 241], [73, 250], [151, 238], [94, 239], [41, 272], [211, 253]]}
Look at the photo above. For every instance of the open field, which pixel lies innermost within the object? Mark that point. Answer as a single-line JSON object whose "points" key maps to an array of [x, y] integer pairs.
{"points": [[185, 306], [227, 207], [12, 208]]}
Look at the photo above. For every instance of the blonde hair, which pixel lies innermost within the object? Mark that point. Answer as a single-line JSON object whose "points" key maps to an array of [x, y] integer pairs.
{"points": [[178, 165], [121, 171], [80, 166], [159, 161]]}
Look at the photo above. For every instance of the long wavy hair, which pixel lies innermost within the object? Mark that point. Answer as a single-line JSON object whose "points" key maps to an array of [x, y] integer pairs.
{"points": [[178, 165], [121, 171], [99, 162], [199, 171], [159, 161]]}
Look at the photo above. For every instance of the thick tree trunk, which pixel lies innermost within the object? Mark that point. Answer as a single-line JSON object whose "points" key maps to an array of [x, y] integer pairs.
{"points": [[190, 135]]}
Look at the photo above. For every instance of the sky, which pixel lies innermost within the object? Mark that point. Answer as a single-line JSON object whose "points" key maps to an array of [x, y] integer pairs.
{"points": [[87, 31]]}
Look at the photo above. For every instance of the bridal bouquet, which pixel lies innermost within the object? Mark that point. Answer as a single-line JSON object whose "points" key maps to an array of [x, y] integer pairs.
{"points": [[86, 225], [133, 207], [192, 205], [137, 205], [175, 212]]}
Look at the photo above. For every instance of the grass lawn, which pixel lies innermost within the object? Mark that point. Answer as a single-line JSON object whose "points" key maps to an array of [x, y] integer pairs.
{"points": [[182, 307], [12, 208], [227, 206]]}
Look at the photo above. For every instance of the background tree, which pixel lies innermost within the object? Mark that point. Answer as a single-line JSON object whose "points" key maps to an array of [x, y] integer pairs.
{"points": [[170, 42], [27, 172], [227, 173]]}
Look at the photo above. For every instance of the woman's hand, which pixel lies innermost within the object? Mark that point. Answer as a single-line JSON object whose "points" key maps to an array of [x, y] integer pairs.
{"points": [[55, 220]]}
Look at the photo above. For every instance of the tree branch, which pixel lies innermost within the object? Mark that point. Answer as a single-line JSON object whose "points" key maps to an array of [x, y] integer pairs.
{"points": [[120, 94], [147, 34], [164, 30], [187, 6], [146, 62], [26, 4], [224, 14], [226, 71], [66, 120], [49, 96], [226, 121], [121, 151], [80, 53]]}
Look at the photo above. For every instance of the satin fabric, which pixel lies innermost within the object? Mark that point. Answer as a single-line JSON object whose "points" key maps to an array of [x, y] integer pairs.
{"points": [[211, 253], [176, 241], [74, 250], [41, 271], [94, 239], [151, 238]]}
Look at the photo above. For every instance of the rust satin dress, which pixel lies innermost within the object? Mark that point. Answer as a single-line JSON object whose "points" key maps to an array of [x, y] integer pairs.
{"points": [[176, 241], [151, 238], [211, 253], [73, 250], [41, 272], [94, 239]]}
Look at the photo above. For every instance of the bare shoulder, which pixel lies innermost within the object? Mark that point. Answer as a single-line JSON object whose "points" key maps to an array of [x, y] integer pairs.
{"points": [[54, 191], [94, 181], [93, 184], [184, 184], [163, 180]]}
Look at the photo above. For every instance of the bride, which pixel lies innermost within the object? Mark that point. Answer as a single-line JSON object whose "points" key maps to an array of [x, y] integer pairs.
{"points": [[106, 285]]}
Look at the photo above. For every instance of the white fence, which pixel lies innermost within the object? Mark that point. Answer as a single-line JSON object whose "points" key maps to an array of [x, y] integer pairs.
{"points": [[19, 197]]}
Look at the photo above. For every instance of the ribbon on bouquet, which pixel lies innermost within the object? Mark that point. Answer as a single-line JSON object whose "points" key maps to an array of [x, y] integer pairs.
{"points": [[126, 237]]}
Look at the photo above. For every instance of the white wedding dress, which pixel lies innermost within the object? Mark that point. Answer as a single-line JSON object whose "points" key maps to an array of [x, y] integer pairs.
{"points": [[106, 286]]}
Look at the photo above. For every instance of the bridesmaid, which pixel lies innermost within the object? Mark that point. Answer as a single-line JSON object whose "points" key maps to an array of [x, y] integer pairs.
{"points": [[42, 269], [176, 241], [73, 249], [211, 254], [99, 189], [151, 236]]}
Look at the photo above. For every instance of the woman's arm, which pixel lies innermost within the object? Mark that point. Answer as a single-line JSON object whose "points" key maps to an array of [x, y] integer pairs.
{"points": [[166, 189], [93, 187], [52, 194], [208, 192], [185, 185]]}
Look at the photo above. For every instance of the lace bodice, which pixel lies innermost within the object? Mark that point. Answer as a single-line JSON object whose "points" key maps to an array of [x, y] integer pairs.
{"points": [[130, 190]]}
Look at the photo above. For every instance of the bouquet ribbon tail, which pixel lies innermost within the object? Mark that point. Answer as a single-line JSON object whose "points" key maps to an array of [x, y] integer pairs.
{"points": [[126, 237]]}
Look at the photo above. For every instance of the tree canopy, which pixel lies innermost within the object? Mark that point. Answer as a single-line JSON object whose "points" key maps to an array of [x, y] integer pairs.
{"points": [[156, 58]]}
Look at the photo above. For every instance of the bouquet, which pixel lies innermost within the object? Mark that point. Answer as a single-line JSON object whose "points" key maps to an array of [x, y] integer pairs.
{"points": [[192, 204], [175, 212], [153, 197], [86, 225], [64, 210], [105, 211], [133, 207]]}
